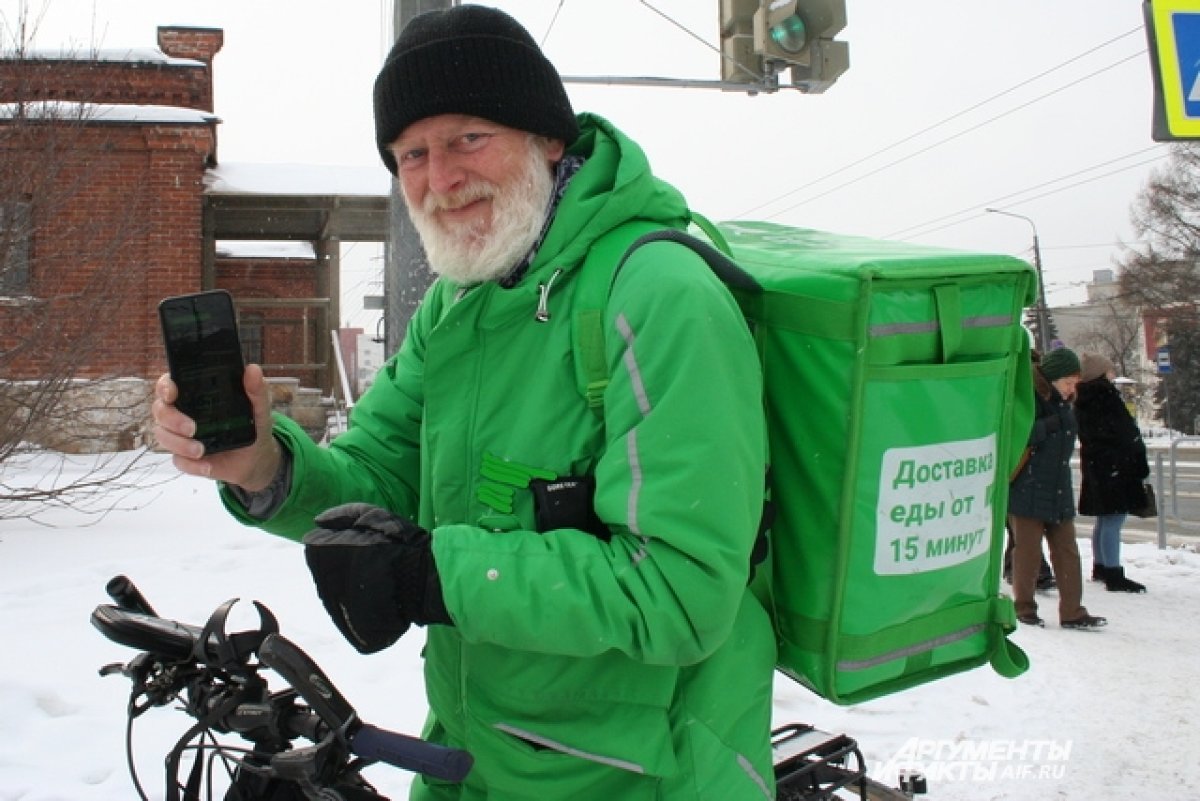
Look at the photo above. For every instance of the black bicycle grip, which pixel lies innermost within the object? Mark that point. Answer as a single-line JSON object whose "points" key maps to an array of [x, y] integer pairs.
{"points": [[411, 753], [128, 596], [144, 632]]}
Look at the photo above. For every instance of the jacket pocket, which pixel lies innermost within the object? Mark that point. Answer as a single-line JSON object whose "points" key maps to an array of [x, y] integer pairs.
{"points": [[523, 764], [583, 737]]}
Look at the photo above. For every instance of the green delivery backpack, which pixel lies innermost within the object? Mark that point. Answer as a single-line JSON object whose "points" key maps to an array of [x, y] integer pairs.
{"points": [[898, 397]]}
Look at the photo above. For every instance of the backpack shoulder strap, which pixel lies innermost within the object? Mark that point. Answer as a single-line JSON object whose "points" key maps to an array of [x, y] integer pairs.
{"points": [[597, 276], [599, 273]]}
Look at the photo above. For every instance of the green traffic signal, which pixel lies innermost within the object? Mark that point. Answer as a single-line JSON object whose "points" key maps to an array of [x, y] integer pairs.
{"points": [[790, 34]]}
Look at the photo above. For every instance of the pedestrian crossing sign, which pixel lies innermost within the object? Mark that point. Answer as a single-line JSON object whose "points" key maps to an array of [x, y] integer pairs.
{"points": [[1173, 30]]}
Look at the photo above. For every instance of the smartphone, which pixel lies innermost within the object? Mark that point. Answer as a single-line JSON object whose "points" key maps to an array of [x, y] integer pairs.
{"points": [[204, 355]]}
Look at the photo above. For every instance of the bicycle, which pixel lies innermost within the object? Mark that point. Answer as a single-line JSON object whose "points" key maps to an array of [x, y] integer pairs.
{"points": [[217, 677]]}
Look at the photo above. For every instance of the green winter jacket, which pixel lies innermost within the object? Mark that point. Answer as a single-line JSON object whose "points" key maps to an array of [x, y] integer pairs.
{"points": [[634, 668]]}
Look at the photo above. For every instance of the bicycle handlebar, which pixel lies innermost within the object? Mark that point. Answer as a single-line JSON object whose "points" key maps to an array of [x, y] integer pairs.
{"points": [[371, 743], [175, 654]]}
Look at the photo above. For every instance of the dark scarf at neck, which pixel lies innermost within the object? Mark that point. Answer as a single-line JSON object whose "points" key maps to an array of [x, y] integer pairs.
{"points": [[563, 173]]}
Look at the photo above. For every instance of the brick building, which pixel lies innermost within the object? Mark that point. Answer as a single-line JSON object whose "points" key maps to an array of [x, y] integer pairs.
{"points": [[259, 275], [108, 204], [102, 191]]}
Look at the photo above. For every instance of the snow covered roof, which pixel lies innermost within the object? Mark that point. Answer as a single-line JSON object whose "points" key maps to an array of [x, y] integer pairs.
{"points": [[298, 201], [134, 55], [298, 179], [108, 113]]}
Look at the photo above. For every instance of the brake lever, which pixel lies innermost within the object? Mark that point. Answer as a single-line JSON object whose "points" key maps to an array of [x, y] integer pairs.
{"points": [[306, 678], [136, 669]]}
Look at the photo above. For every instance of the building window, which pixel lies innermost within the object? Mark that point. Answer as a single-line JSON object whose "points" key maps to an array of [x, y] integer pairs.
{"points": [[250, 329], [16, 237]]}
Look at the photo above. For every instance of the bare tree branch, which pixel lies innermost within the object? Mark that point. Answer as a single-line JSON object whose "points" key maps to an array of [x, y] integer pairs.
{"points": [[68, 264], [1161, 275]]}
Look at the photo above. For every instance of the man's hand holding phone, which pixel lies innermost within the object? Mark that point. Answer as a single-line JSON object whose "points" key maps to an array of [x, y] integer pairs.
{"points": [[212, 411], [251, 467]]}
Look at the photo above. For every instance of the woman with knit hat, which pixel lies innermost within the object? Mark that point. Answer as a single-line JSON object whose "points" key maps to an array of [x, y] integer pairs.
{"points": [[1041, 501], [1113, 465]]}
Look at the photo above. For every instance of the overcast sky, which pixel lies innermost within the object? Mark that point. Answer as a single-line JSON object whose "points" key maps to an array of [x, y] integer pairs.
{"points": [[1040, 107]]}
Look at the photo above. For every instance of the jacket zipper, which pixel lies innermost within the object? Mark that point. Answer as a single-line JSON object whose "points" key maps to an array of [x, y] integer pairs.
{"points": [[543, 308]]}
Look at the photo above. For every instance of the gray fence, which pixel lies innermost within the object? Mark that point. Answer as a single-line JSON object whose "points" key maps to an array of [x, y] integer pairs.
{"points": [[1166, 486]]}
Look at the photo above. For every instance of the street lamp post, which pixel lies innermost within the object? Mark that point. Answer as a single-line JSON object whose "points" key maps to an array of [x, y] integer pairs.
{"points": [[1043, 343]]}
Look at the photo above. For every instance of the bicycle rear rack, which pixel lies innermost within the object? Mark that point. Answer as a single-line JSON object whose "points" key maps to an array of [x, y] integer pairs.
{"points": [[810, 764]]}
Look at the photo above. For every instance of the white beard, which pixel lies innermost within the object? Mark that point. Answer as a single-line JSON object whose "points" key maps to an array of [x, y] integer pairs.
{"points": [[485, 250]]}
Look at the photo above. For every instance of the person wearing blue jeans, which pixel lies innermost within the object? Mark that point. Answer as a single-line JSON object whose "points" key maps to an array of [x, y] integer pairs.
{"points": [[1106, 539], [1113, 466]]}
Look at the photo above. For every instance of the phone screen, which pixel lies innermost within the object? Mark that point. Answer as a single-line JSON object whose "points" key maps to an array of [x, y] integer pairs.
{"points": [[205, 360]]}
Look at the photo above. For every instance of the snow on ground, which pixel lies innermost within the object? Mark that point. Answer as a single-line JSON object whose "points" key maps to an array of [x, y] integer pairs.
{"points": [[1100, 715]]}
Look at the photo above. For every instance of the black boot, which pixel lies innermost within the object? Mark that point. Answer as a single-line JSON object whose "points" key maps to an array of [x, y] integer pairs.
{"points": [[1085, 622], [1115, 581], [1045, 579], [1097, 571]]}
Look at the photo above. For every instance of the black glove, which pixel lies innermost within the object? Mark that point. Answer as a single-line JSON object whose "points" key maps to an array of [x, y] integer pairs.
{"points": [[375, 574]]}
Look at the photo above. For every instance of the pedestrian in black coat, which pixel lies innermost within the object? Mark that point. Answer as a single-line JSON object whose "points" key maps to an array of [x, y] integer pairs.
{"points": [[1113, 466]]}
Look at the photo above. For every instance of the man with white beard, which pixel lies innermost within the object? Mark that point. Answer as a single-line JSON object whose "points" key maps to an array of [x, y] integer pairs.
{"points": [[581, 569]]}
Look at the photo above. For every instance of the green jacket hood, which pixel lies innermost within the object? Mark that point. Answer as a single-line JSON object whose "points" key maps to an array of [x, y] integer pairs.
{"points": [[614, 186]]}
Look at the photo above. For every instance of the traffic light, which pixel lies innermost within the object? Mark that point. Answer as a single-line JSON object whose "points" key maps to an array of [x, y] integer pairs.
{"points": [[739, 62], [798, 34]]}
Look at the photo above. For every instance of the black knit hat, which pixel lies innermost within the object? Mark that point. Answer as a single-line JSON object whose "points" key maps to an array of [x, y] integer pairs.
{"points": [[1060, 363], [469, 60]]}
